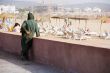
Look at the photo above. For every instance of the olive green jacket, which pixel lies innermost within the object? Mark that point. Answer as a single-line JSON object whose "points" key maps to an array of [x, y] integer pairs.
{"points": [[30, 27]]}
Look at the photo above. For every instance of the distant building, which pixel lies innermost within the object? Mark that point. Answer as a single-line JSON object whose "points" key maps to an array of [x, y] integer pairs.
{"points": [[42, 8], [96, 9], [7, 9], [61, 9], [77, 10], [88, 9], [68, 9]]}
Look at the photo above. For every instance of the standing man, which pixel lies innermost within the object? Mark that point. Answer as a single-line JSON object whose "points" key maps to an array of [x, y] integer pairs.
{"points": [[28, 29]]}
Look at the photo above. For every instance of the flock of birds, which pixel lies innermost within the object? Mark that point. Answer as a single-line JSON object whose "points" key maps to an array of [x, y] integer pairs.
{"points": [[68, 31]]}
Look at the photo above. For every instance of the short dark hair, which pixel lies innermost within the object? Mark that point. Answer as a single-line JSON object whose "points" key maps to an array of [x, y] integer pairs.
{"points": [[16, 24]]}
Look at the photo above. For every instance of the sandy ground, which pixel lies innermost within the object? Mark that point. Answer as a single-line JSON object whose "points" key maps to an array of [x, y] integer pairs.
{"points": [[92, 25]]}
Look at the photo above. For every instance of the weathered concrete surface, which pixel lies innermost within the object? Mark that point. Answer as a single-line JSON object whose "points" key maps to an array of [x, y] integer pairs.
{"points": [[12, 64], [78, 56]]}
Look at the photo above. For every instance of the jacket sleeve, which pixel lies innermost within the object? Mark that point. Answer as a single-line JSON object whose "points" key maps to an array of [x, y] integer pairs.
{"points": [[23, 27], [37, 30]]}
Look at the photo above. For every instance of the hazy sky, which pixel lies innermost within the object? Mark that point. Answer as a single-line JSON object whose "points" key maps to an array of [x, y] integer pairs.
{"points": [[68, 1]]}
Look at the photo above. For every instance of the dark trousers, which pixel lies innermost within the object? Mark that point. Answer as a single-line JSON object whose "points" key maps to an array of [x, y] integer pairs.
{"points": [[26, 46]]}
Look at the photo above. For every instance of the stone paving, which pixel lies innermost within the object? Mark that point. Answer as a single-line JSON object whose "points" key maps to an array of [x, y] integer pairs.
{"points": [[12, 64]]}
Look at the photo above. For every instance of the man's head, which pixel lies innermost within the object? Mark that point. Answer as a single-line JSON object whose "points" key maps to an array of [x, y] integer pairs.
{"points": [[30, 16], [16, 24]]}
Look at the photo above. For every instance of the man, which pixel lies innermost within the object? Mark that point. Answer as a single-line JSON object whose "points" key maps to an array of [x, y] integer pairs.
{"points": [[16, 28], [28, 29]]}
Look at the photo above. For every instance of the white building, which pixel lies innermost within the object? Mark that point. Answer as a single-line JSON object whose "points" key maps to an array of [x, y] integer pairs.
{"points": [[7, 9], [88, 9], [96, 9]]}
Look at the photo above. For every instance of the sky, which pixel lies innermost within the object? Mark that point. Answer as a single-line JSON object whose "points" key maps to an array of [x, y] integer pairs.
{"points": [[66, 1], [70, 1]]}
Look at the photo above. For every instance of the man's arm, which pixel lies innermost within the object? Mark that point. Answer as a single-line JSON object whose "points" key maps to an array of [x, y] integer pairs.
{"points": [[22, 30], [37, 31]]}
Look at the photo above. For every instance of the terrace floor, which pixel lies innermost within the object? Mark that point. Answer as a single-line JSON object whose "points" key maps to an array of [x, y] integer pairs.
{"points": [[12, 64]]}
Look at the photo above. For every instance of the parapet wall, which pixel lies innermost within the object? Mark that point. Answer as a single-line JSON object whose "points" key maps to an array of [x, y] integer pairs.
{"points": [[67, 56]]}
